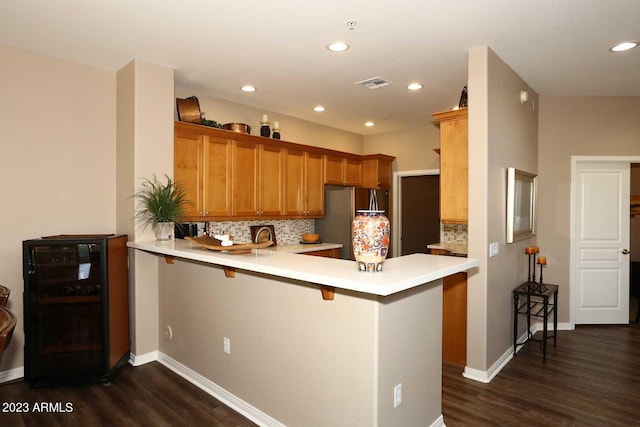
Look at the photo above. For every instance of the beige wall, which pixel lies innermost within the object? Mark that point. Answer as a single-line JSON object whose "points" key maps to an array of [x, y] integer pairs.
{"points": [[575, 126], [302, 360], [57, 160], [635, 222], [145, 148], [413, 149], [291, 129], [502, 134]]}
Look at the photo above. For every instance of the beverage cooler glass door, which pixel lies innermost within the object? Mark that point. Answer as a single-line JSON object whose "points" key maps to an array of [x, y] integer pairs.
{"points": [[64, 310]]}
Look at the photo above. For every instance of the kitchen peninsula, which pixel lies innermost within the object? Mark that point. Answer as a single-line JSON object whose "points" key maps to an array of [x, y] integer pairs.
{"points": [[295, 358]]}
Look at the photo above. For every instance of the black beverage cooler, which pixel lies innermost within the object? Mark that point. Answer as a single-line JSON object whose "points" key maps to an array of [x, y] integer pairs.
{"points": [[76, 309]]}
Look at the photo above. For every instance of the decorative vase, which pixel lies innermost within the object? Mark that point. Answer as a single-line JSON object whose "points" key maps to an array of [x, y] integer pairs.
{"points": [[265, 130], [370, 234], [164, 230]]}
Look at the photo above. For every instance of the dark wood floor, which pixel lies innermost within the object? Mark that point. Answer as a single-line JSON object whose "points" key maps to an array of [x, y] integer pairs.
{"points": [[148, 395], [592, 378]]}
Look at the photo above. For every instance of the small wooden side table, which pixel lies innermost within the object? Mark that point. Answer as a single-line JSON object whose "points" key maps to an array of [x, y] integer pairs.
{"points": [[536, 304]]}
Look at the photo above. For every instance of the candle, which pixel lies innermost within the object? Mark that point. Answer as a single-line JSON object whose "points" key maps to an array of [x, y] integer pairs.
{"points": [[542, 260], [276, 125], [531, 250], [265, 118]]}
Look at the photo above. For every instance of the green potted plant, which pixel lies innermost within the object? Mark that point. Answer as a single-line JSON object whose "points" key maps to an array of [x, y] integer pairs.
{"points": [[161, 205]]}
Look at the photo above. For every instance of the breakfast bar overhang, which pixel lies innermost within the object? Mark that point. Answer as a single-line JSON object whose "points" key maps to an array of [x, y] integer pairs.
{"points": [[295, 358]]}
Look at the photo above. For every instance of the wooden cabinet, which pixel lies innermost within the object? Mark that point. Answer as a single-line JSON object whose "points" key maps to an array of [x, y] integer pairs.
{"points": [[304, 184], [202, 164], [228, 175], [256, 179], [271, 182], [454, 166], [377, 171], [454, 319], [342, 171], [244, 178], [328, 253]]}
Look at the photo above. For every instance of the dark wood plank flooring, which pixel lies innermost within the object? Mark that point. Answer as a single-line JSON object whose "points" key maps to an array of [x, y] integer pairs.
{"points": [[148, 395], [592, 378]]}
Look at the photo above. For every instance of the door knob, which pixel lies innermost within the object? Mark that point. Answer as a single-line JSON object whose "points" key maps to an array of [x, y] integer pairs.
{"points": [[625, 252]]}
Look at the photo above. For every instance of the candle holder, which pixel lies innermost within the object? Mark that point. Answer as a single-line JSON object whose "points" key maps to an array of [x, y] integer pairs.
{"points": [[265, 130], [531, 251], [276, 130]]}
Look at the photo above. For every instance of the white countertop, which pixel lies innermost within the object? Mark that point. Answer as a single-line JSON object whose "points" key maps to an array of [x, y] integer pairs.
{"points": [[398, 274], [457, 248], [303, 247]]}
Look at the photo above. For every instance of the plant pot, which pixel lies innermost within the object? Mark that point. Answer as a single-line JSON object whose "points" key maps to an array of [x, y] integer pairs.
{"points": [[164, 230], [370, 234]]}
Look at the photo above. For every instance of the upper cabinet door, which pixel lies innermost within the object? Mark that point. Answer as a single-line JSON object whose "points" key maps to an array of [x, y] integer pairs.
{"points": [[454, 169], [353, 172], [187, 169], [271, 190], [244, 178], [294, 182], [217, 177], [314, 185]]}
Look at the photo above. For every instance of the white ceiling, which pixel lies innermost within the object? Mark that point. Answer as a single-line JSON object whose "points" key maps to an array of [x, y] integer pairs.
{"points": [[559, 47]]}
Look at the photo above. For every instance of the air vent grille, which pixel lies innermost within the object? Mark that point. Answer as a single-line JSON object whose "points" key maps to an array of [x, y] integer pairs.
{"points": [[374, 83]]}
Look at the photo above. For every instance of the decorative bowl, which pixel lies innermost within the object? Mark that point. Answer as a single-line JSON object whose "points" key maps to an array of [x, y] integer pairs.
{"points": [[310, 237]]}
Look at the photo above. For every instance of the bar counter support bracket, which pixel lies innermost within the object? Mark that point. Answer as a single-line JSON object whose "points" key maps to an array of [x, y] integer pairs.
{"points": [[229, 272], [327, 292]]}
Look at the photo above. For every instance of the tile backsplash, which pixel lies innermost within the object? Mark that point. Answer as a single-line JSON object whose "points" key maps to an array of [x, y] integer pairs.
{"points": [[288, 231], [454, 233]]}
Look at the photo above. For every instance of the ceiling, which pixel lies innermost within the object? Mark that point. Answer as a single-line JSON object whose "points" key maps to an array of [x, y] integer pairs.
{"points": [[279, 46]]}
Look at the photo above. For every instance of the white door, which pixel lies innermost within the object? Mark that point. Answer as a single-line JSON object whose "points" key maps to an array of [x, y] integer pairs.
{"points": [[600, 291]]}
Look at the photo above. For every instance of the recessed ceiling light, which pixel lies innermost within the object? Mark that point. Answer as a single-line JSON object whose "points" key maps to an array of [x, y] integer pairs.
{"points": [[369, 124], [319, 108], [248, 88], [414, 86], [337, 46], [621, 47]]}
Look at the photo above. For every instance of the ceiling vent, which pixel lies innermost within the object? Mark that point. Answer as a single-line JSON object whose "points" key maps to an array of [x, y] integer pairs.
{"points": [[374, 83]]}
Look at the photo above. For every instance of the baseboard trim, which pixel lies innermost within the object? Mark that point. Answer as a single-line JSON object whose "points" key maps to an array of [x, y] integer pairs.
{"points": [[12, 374], [218, 392], [143, 359], [439, 422]]}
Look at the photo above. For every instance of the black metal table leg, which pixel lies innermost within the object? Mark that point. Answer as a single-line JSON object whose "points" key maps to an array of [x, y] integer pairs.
{"points": [[545, 315], [515, 323], [555, 316]]}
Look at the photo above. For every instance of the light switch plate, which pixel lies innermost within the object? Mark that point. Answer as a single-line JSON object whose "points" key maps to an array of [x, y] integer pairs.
{"points": [[493, 249]]}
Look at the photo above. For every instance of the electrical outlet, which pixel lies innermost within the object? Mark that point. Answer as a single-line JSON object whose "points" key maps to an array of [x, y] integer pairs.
{"points": [[397, 395], [493, 249], [226, 345]]}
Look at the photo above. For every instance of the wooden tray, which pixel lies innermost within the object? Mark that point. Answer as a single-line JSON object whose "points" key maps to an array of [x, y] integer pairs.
{"points": [[213, 244]]}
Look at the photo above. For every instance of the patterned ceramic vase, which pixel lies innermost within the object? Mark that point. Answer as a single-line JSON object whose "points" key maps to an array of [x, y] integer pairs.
{"points": [[370, 234]]}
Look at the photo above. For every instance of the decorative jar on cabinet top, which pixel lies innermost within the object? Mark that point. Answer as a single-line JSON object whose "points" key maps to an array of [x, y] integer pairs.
{"points": [[370, 234]]}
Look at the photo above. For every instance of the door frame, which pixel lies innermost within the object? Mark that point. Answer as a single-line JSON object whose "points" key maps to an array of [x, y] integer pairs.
{"points": [[573, 282], [396, 221]]}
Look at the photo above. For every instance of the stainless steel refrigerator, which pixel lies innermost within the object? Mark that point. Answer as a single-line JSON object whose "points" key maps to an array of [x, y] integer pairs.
{"points": [[340, 206]]}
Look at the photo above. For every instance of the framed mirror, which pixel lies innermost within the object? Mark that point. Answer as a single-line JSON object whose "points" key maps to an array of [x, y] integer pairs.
{"points": [[521, 205]]}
